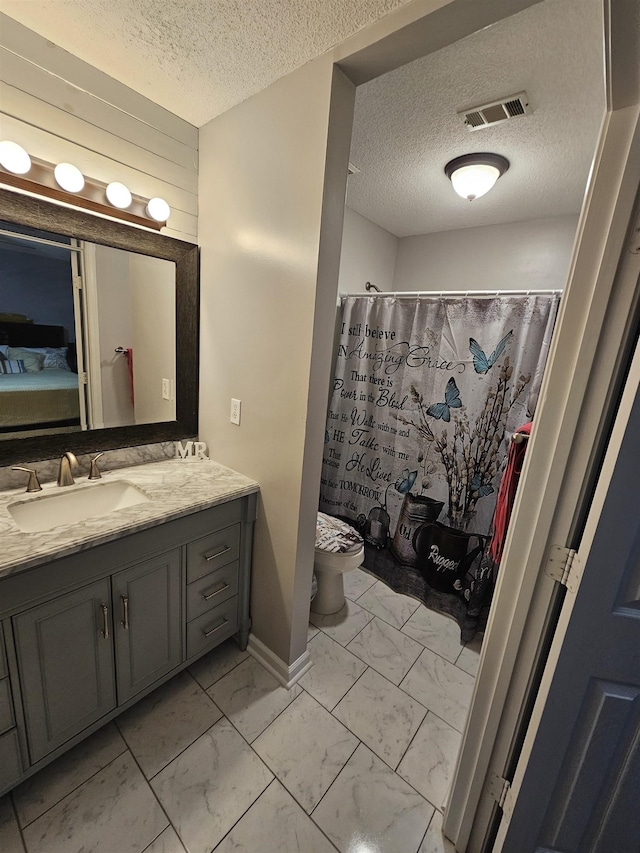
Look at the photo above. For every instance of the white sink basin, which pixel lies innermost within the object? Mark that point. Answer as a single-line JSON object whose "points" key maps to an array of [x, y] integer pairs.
{"points": [[70, 505]]}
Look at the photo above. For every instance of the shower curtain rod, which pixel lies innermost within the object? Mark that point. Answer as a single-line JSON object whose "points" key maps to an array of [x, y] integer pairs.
{"points": [[402, 294]]}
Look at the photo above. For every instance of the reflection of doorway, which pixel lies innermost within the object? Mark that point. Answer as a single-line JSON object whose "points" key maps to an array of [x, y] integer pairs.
{"points": [[130, 318], [566, 449], [42, 332]]}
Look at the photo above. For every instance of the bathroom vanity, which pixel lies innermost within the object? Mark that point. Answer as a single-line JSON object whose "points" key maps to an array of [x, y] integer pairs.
{"points": [[96, 613]]}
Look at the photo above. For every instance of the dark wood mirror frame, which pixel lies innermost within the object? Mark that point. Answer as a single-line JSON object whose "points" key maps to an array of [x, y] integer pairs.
{"points": [[25, 210]]}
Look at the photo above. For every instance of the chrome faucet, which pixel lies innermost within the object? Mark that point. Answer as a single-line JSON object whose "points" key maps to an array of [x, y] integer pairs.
{"points": [[67, 464]]}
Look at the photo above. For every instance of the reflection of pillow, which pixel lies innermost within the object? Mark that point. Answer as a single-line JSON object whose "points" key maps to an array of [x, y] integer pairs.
{"points": [[12, 365], [33, 361], [53, 356], [56, 359]]}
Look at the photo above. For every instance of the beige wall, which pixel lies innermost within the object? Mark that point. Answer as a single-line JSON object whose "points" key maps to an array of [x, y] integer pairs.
{"points": [[261, 189], [517, 256], [368, 254], [115, 329], [60, 108], [153, 312]]}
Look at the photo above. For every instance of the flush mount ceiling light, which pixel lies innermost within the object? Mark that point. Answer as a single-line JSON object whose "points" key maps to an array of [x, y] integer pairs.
{"points": [[473, 175], [65, 183]]}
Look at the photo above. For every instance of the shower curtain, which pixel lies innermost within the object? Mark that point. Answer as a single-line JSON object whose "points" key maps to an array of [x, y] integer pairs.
{"points": [[427, 392]]}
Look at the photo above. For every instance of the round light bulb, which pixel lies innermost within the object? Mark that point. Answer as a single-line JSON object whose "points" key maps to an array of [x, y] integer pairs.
{"points": [[14, 158], [474, 181], [118, 195], [68, 177], [158, 209]]}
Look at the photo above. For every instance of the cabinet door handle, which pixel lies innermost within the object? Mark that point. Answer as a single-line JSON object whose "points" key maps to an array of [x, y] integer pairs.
{"points": [[217, 628], [209, 595], [105, 621], [125, 612], [217, 554]]}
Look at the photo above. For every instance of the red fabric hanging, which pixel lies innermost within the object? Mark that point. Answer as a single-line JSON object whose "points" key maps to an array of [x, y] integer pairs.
{"points": [[129, 354], [507, 493]]}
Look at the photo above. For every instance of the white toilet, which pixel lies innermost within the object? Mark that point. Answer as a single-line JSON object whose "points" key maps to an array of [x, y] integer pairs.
{"points": [[339, 549]]}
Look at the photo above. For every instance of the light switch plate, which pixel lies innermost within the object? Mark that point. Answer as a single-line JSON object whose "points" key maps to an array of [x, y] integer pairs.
{"points": [[235, 411]]}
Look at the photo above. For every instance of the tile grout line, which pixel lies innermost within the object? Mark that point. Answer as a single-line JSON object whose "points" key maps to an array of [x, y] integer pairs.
{"points": [[311, 813], [149, 779], [215, 681], [14, 811], [275, 777], [370, 664], [73, 790], [420, 604], [377, 615], [247, 810], [393, 769], [161, 807], [427, 709]]}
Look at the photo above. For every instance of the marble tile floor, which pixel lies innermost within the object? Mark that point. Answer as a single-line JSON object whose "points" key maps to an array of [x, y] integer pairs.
{"points": [[358, 755]]}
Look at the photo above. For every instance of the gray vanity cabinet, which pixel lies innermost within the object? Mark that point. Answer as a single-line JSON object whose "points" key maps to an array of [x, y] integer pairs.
{"points": [[11, 766], [89, 634], [64, 650], [147, 623]]}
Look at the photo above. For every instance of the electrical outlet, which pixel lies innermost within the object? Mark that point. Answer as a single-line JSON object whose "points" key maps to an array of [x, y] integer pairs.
{"points": [[166, 389], [235, 411]]}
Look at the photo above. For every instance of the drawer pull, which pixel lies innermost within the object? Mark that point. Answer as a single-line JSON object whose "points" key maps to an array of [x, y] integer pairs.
{"points": [[105, 621], [217, 628], [217, 554], [125, 612], [209, 595]]}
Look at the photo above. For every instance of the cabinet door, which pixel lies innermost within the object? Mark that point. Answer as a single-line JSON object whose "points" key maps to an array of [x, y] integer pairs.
{"points": [[65, 659], [147, 607]]}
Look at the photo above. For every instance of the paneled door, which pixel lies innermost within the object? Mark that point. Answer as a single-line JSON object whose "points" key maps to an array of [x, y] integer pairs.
{"points": [[65, 650], [147, 606], [579, 791]]}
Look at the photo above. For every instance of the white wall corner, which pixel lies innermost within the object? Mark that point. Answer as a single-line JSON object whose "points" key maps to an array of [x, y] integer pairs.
{"points": [[287, 674]]}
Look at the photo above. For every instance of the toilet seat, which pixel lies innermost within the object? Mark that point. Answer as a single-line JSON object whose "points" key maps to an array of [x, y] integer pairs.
{"points": [[341, 561], [339, 549]]}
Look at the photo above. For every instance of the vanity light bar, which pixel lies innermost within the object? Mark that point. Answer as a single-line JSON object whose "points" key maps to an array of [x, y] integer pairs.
{"points": [[96, 196]]}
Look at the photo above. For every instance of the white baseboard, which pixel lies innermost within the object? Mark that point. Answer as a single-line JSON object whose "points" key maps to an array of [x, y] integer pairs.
{"points": [[286, 674]]}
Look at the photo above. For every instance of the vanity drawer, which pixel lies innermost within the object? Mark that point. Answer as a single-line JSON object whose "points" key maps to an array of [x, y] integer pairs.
{"points": [[212, 552], [212, 627], [211, 590], [3, 657], [10, 761], [6, 706]]}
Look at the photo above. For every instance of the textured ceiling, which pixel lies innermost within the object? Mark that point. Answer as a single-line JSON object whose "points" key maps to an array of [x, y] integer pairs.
{"points": [[197, 58], [406, 128]]}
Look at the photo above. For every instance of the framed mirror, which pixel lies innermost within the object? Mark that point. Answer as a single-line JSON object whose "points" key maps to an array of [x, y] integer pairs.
{"points": [[166, 273]]}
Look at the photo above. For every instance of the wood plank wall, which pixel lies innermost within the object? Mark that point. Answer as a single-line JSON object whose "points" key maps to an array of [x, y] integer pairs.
{"points": [[60, 108]]}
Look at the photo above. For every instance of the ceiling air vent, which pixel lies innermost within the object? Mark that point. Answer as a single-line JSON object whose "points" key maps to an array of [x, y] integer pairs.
{"points": [[496, 111]]}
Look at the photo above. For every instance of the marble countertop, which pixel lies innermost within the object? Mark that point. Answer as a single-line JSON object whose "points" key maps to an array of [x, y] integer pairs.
{"points": [[176, 488]]}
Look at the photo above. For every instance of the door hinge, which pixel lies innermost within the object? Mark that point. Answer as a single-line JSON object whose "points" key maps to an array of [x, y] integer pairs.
{"points": [[83, 378], [565, 566], [77, 282], [500, 791]]}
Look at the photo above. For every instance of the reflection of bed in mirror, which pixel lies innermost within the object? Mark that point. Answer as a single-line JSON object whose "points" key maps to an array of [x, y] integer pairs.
{"points": [[38, 383]]}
